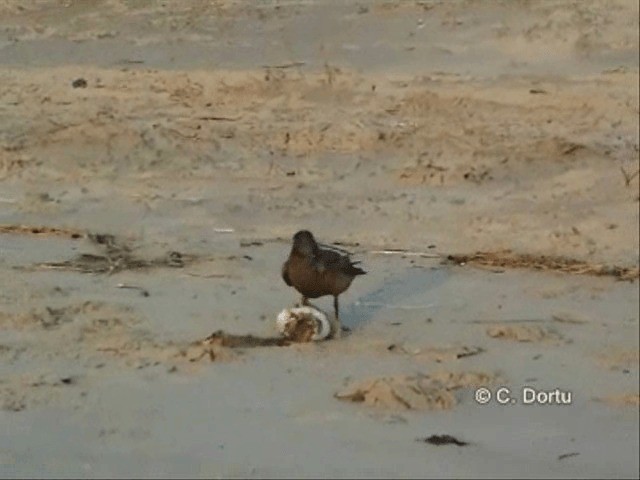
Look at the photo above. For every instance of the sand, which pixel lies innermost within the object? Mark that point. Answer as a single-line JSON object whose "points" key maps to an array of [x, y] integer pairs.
{"points": [[479, 158]]}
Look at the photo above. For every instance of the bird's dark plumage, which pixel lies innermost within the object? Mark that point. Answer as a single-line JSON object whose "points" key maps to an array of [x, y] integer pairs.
{"points": [[316, 271]]}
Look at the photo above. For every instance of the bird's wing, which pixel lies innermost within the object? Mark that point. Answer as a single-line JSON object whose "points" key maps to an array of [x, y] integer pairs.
{"points": [[285, 273], [335, 248], [330, 259]]}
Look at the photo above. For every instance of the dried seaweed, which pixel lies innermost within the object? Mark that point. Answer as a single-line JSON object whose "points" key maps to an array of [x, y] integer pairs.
{"points": [[117, 256], [509, 259], [42, 231], [223, 339]]}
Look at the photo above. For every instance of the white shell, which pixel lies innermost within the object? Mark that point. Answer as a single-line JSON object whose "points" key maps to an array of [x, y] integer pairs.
{"points": [[289, 317]]}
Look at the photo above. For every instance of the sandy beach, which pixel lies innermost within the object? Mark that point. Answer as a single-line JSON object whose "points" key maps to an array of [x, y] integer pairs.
{"points": [[480, 158]]}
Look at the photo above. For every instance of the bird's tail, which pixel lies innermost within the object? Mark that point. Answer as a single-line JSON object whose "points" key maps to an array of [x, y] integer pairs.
{"points": [[356, 270]]}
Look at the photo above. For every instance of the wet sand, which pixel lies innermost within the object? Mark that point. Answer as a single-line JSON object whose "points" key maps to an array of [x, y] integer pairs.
{"points": [[480, 158]]}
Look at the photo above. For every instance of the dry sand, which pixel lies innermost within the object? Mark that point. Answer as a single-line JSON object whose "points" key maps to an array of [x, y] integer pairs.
{"points": [[156, 157]]}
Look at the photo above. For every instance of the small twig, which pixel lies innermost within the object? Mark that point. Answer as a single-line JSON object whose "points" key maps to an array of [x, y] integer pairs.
{"points": [[406, 253], [572, 148], [251, 243], [285, 65], [55, 266], [470, 353], [442, 440], [347, 244], [628, 177], [220, 119], [61, 126], [515, 320], [201, 356], [399, 307], [224, 230], [129, 61], [143, 291], [173, 130], [212, 275], [567, 455], [109, 349], [561, 318], [329, 72]]}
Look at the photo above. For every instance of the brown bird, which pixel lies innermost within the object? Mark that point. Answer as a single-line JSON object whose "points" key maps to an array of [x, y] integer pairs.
{"points": [[316, 271]]}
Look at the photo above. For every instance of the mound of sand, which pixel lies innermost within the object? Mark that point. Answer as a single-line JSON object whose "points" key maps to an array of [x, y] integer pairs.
{"points": [[414, 392]]}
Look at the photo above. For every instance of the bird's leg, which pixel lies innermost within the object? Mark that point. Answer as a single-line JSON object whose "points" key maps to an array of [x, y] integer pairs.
{"points": [[307, 303], [337, 330]]}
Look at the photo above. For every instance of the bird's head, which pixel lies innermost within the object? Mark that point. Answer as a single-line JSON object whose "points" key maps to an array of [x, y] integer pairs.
{"points": [[304, 243]]}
